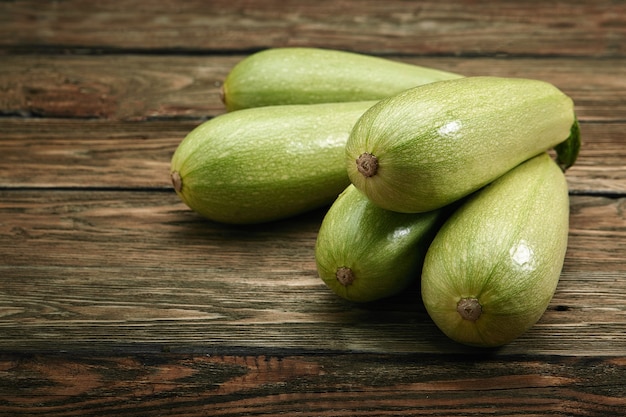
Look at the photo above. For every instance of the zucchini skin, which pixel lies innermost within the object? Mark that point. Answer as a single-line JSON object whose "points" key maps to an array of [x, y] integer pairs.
{"points": [[313, 75], [437, 143], [382, 250], [504, 247], [265, 164]]}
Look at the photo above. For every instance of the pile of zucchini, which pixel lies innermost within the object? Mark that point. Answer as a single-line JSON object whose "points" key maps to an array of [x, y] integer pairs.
{"points": [[429, 175]]}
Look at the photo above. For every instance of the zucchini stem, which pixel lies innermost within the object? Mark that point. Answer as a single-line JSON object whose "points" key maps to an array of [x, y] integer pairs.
{"points": [[177, 181], [345, 276], [567, 151], [367, 164], [469, 308]]}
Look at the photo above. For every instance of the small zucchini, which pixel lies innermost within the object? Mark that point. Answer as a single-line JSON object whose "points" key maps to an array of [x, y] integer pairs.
{"points": [[264, 164], [364, 253], [494, 265], [432, 145], [312, 75]]}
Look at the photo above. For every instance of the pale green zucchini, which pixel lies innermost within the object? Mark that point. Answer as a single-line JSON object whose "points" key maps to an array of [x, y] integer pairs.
{"points": [[494, 265], [364, 253], [313, 75], [265, 164], [434, 144]]}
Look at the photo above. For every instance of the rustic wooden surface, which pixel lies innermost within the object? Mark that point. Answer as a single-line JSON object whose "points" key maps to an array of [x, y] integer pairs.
{"points": [[115, 299]]}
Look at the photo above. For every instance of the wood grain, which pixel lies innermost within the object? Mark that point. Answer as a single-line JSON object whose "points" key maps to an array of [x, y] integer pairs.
{"points": [[47, 153], [94, 270], [324, 385], [574, 28], [116, 299], [116, 87], [137, 87]]}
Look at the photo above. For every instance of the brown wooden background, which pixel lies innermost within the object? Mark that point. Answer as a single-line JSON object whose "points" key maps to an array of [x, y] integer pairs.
{"points": [[115, 299]]}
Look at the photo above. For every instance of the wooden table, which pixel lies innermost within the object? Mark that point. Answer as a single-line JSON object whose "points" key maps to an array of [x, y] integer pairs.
{"points": [[116, 299]]}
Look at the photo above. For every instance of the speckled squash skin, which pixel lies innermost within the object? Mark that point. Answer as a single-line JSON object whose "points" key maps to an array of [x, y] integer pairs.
{"points": [[312, 75], [264, 164], [437, 143], [364, 253], [494, 265]]}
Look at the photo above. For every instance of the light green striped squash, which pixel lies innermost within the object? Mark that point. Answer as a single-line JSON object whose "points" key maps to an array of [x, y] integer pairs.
{"points": [[435, 144], [263, 164], [494, 265], [364, 253], [313, 75]]}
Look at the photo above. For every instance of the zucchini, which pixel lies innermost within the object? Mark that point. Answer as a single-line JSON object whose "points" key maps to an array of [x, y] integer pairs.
{"points": [[494, 265], [265, 164], [435, 144], [364, 253], [312, 75]]}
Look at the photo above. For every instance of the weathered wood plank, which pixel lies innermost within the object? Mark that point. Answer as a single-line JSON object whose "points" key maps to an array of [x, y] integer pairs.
{"points": [[574, 28], [96, 270], [312, 385], [118, 87], [115, 299], [49, 153], [133, 87], [601, 165], [88, 153]]}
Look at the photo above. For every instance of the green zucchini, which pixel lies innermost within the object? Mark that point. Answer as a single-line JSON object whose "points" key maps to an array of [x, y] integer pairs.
{"points": [[434, 144], [494, 265], [364, 253], [264, 164], [312, 75]]}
